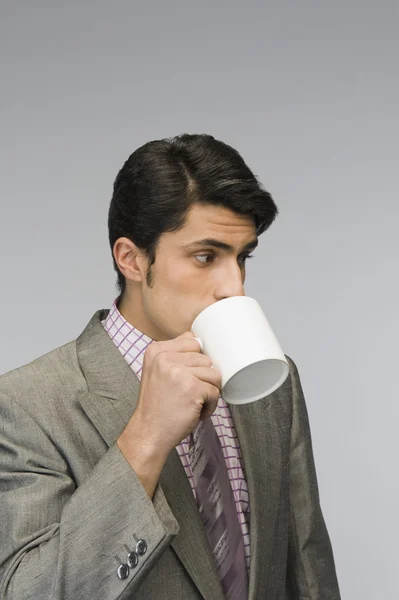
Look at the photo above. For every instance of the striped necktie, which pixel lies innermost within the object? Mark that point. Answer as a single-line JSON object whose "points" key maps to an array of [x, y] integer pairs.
{"points": [[218, 510]]}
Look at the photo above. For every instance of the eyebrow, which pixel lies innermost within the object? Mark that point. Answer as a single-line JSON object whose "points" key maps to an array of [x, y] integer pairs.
{"points": [[221, 245]]}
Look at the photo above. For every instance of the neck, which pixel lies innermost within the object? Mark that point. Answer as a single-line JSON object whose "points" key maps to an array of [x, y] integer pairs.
{"points": [[130, 305]]}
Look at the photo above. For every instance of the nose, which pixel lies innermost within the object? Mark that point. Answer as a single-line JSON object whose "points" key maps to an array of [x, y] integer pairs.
{"points": [[230, 283]]}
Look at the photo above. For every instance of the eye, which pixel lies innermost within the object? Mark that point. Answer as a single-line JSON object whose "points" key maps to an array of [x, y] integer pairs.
{"points": [[244, 258], [205, 256], [207, 259]]}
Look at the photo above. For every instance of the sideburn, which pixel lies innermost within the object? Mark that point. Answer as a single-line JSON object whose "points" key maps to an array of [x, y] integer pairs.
{"points": [[151, 259], [149, 277]]}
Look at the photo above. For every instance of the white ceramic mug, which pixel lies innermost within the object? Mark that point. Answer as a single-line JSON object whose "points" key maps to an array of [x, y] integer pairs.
{"points": [[237, 337]]}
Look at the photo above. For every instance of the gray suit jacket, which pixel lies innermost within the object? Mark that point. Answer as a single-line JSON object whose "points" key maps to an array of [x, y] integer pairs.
{"points": [[71, 506]]}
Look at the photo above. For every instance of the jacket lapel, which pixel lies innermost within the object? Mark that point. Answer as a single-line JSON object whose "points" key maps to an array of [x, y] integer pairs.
{"points": [[110, 401], [191, 544], [258, 428]]}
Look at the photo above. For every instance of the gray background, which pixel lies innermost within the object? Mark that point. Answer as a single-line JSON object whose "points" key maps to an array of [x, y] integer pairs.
{"points": [[308, 92]]}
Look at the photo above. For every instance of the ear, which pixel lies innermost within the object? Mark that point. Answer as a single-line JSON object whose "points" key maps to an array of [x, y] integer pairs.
{"points": [[130, 259]]}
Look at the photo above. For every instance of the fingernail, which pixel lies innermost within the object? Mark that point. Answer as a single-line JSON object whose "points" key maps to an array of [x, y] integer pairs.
{"points": [[200, 343]]}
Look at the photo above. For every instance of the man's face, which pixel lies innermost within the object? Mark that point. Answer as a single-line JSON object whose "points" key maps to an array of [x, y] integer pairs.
{"points": [[189, 274]]}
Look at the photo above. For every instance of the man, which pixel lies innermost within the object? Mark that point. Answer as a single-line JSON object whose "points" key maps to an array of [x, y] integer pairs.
{"points": [[100, 491]]}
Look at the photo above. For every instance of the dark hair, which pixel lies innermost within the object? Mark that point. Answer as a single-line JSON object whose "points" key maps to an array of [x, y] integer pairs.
{"points": [[163, 179]]}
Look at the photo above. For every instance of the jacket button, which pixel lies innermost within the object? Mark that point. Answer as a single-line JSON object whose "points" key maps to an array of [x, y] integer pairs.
{"points": [[132, 560], [123, 571], [141, 547]]}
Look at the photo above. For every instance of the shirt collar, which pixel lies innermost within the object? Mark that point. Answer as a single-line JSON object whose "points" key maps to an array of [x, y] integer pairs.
{"points": [[129, 340]]}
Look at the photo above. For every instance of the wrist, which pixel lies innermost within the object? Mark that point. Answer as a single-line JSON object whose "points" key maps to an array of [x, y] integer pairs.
{"points": [[139, 441], [142, 454]]}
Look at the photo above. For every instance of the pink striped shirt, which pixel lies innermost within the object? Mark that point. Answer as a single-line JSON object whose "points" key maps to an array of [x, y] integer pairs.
{"points": [[132, 344]]}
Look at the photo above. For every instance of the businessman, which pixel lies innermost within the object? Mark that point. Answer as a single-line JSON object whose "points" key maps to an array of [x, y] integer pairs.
{"points": [[123, 473]]}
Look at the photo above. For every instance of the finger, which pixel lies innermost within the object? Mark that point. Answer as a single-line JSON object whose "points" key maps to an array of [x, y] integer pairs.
{"points": [[208, 375], [210, 403], [179, 344], [176, 345], [211, 394], [191, 335], [189, 359], [187, 334]]}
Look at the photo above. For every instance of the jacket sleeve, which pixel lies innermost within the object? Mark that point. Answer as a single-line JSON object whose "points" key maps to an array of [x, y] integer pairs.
{"points": [[63, 542], [311, 568]]}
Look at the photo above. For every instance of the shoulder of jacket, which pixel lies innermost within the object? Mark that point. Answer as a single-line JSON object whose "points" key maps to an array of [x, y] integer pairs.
{"points": [[50, 370]]}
